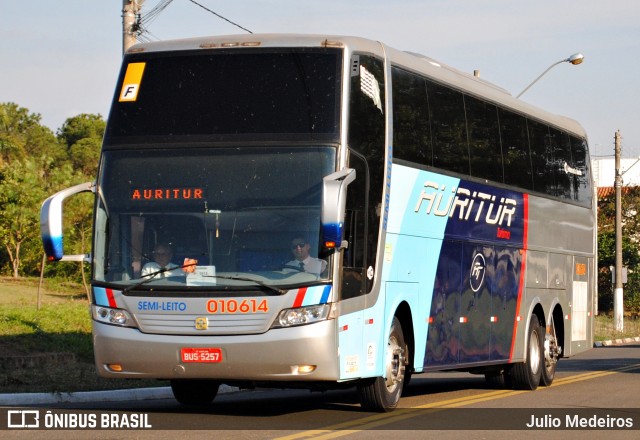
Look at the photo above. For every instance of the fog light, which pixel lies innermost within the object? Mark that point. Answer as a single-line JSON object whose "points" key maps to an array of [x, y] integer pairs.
{"points": [[303, 369]]}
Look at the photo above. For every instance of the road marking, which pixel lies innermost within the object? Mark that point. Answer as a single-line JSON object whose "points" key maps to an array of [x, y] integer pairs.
{"points": [[374, 421]]}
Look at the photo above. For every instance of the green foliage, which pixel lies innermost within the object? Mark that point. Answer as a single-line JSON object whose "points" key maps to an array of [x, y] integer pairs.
{"points": [[22, 136], [607, 250], [85, 155], [35, 164], [20, 189], [630, 250], [83, 126], [82, 136], [631, 293]]}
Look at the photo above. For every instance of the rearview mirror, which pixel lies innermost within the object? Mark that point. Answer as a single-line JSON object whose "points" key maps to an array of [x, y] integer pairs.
{"points": [[51, 222], [334, 198]]}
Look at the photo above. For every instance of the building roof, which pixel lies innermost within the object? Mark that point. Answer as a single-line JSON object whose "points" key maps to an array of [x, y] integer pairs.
{"points": [[608, 191]]}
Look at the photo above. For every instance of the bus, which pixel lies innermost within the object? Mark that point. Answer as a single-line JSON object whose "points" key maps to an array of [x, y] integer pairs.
{"points": [[453, 225]]}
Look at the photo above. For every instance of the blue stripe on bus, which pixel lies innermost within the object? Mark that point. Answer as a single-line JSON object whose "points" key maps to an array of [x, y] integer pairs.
{"points": [[53, 246], [325, 294], [100, 296]]}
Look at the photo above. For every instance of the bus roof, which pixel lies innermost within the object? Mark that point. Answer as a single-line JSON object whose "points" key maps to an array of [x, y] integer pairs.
{"points": [[418, 63]]}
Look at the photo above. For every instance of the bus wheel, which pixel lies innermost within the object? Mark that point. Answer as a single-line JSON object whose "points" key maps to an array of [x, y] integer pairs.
{"points": [[526, 375], [194, 392], [383, 393], [550, 356]]}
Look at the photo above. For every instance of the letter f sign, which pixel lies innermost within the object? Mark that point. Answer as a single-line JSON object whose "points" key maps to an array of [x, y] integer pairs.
{"points": [[129, 92], [131, 83]]}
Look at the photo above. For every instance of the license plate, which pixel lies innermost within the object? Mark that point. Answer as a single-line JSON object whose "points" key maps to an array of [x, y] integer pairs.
{"points": [[205, 355]]}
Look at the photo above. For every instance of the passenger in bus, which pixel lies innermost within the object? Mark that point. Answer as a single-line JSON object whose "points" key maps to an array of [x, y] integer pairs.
{"points": [[302, 260], [161, 267]]}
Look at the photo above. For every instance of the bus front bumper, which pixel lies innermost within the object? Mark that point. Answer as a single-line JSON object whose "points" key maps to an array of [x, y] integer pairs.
{"points": [[297, 354]]}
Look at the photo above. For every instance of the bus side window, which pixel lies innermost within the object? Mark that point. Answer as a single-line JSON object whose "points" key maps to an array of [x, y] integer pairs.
{"points": [[448, 128], [356, 231], [367, 156], [561, 146], [411, 124], [484, 139], [515, 150], [582, 187], [542, 163]]}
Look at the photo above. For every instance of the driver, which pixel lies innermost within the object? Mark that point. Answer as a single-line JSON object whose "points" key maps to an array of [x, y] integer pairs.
{"points": [[302, 260], [161, 267]]}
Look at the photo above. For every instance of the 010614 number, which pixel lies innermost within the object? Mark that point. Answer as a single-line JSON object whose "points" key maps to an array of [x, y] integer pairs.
{"points": [[237, 306]]}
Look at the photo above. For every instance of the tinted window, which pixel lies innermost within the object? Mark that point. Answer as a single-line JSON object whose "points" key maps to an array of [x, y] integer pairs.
{"points": [[484, 139], [466, 135], [581, 170], [367, 140], [411, 130], [561, 145], [515, 149], [542, 163], [448, 128], [225, 93]]}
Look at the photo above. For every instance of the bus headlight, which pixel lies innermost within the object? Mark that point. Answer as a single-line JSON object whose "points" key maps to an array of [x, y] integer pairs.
{"points": [[111, 316], [302, 316]]}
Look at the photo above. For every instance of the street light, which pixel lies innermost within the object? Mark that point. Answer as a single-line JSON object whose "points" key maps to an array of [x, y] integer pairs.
{"points": [[575, 59]]}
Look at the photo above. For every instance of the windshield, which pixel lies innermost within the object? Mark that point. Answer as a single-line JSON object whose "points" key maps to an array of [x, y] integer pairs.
{"points": [[211, 217]]}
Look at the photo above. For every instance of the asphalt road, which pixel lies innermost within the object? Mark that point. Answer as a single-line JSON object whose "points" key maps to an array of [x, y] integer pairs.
{"points": [[599, 387]]}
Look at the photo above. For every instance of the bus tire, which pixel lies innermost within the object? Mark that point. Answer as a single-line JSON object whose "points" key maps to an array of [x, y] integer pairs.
{"points": [[382, 394], [194, 392], [526, 375]]}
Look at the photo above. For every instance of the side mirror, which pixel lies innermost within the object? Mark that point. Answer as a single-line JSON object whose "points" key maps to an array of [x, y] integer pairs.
{"points": [[51, 222], [334, 199]]}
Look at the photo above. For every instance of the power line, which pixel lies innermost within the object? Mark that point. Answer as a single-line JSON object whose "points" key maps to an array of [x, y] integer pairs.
{"points": [[153, 13], [139, 25], [220, 16]]}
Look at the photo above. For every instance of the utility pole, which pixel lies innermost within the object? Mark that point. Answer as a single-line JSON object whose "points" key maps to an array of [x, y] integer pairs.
{"points": [[130, 11], [618, 304]]}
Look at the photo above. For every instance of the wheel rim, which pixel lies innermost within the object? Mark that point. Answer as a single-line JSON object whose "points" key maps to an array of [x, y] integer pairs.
{"points": [[551, 349], [394, 364], [534, 352]]}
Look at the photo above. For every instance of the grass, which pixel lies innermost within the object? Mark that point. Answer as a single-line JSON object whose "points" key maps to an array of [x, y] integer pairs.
{"points": [[605, 328], [50, 350]]}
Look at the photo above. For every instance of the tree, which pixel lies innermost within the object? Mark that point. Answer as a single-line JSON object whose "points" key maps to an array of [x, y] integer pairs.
{"points": [[82, 136], [34, 164], [630, 249], [20, 191], [81, 127], [85, 154], [29, 152], [22, 135]]}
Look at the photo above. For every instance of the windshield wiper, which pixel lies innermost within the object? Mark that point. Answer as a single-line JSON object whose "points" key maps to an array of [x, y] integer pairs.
{"points": [[251, 280], [151, 277]]}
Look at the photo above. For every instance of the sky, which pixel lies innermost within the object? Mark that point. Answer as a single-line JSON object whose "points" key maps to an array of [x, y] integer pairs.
{"points": [[61, 58]]}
